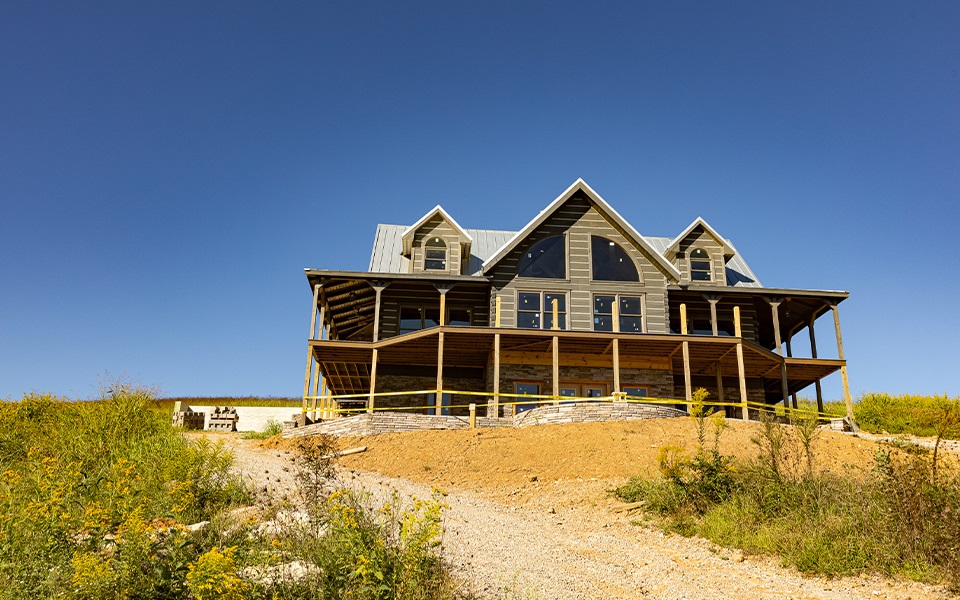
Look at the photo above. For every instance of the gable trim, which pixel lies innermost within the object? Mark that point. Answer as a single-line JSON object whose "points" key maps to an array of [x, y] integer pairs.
{"points": [[674, 246], [605, 209], [409, 232]]}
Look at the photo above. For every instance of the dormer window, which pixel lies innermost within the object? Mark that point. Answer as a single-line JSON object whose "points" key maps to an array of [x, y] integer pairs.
{"points": [[435, 255], [546, 259], [611, 262], [700, 265]]}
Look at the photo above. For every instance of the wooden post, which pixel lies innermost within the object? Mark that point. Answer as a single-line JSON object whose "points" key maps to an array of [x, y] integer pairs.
{"points": [[616, 346], [719, 384], [306, 378], [313, 311], [496, 374], [843, 369], [443, 306], [793, 396], [556, 365], [556, 314], [439, 394], [774, 308], [316, 389], [740, 370], [378, 288], [331, 411], [813, 354], [688, 389], [373, 381], [473, 416], [713, 315], [497, 312]]}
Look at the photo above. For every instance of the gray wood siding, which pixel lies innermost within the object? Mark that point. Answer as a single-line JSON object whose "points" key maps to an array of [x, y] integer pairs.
{"points": [[698, 238], [437, 227], [578, 220]]}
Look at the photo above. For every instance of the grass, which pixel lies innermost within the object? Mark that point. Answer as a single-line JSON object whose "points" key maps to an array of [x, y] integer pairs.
{"points": [[166, 404], [95, 499], [899, 519]]}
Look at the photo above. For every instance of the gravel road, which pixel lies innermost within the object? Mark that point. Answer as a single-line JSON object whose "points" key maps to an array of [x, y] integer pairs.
{"points": [[580, 550]]}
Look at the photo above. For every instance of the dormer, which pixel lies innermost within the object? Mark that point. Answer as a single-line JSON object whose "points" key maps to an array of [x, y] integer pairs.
{"points": [[700, 254], [437, 244]]}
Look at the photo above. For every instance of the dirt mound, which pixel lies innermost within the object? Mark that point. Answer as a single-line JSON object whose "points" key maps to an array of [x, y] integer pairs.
{"points": [[499, 461]]}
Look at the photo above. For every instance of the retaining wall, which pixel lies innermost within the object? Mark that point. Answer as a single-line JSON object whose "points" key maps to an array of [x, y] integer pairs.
{"points": [[375, 423]]}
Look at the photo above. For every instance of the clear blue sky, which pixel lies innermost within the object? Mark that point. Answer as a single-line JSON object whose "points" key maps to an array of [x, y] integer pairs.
{"points": [[168, 169]]}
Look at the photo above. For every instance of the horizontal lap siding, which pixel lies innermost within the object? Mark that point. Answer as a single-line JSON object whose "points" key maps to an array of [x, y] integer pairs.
{"points": [[580, 220], [437, 227], [399, 294], [699, 238]]}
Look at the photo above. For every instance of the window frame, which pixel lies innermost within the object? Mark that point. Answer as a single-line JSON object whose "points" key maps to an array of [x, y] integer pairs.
{"points": [[423, 308], [708, 261], [543, 312], [566, 256], [618, 300], [428, 246], [630, 259]]}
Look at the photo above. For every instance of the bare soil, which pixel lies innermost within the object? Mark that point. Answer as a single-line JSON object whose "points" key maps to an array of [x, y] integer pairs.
{"points": [[531, 515]]}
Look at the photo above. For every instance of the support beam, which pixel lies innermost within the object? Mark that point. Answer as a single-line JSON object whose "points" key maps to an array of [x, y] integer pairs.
{"points": [[793, 396], [496, 369], [316, 390], [616, 346], [556, 363], [740, 370], [378, 288], [439, 394], [813, 353], [373, 381], [556, 314], [843, 369], [713, 313], [719, 385], [687, 386], [313, 310], [775, 310], [496, 309]]}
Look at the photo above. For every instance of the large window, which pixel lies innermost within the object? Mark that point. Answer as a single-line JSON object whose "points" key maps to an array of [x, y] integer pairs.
{"points": [[611, 262], [527, 388], [415, 318], [629, 308], [535, 310], [435, 255], [547, 259], [700, 265]]}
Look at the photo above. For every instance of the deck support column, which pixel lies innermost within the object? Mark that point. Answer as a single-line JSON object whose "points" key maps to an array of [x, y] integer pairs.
{"points": [[843, 369], [713, 313], [313, 326], [793, 396], [496, 361], [616, 346], [439, 394], [813, 354], [373, 381], [556, 368], [740, 370], [378, 287], [720, 388], [775, 310], [687, 386]]}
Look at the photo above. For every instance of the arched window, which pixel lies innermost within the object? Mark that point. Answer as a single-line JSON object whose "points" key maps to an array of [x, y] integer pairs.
{"points": [[546, 259], [611, 262], [700, 265], [435, 255]]}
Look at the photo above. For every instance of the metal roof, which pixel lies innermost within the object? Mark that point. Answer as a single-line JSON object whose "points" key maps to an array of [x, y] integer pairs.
{"points": [[387, 256]]}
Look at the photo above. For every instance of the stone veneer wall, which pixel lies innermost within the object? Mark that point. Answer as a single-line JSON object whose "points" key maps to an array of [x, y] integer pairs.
{"points": [[388, 422], [406, 383]]}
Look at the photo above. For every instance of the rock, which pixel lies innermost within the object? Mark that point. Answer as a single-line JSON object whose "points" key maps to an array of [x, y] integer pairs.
{"points": [[198, 526]]}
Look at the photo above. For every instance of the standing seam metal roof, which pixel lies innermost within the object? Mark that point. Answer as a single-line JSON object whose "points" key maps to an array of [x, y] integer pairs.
{"points": [[387, 255]]}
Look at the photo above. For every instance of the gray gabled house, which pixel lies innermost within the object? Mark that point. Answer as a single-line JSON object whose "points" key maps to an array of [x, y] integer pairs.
{"points": [[576, 303]]}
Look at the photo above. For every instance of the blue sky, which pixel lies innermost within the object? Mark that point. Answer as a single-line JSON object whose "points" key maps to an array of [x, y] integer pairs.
{"points": [[168, 169]]}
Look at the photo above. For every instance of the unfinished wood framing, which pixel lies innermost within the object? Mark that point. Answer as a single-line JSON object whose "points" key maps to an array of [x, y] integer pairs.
{"points": [[373, 381], [813, 353], [741, 372], [843, 370]]}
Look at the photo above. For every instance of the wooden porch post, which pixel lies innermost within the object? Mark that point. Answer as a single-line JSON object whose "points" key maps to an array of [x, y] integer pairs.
{"points": [[793, 396], [713, 313], [616, 346], [556, 368], [439, 394], [813, 354], [740, 370], [843, 369], [373, 381], [720, 387], [316, 390], [496, 361], [774, 308], [688, 389], [313, 326], [378, 288]]}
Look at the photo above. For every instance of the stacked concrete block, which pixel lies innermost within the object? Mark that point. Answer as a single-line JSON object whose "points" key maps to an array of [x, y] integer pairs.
{"points": [[186, 418], [223, 418]]}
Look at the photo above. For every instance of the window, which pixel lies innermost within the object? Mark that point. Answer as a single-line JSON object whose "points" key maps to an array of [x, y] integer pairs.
{"points": [[535, 310], [700, 265], [435, 255], [415, 318], [547, 259], [631, 317], [444, 404], [527, 388], [635, 391], [611, 262]]}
